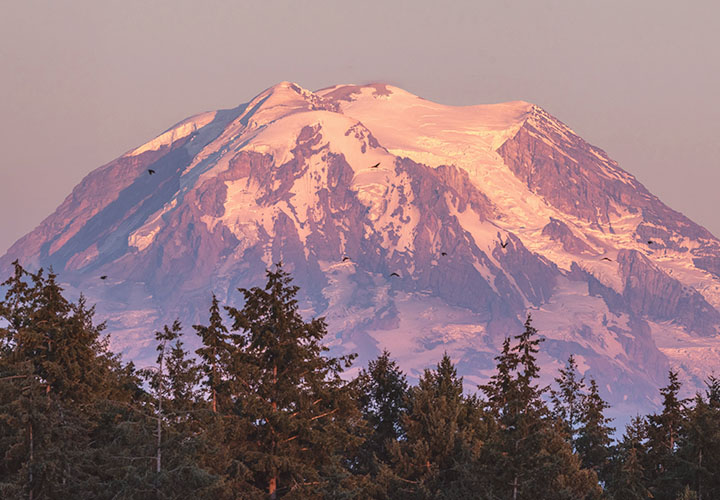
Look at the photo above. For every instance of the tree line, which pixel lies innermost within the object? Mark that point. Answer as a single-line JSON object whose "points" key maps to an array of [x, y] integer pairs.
{"points": [[261, 410]]}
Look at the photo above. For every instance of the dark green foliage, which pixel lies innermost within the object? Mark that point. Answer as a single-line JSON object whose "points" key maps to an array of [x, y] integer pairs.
{"points": [[171, 429], [443, 434], [567, 399], [663, 432], [383, 399], [528, 456], [629, 478], [58, 386], [263, 412], [295, 411], [215, 353], [593, 442], [699, 443]]}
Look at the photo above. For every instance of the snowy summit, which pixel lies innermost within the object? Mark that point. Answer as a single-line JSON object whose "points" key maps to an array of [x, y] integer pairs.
{"points": [[411, 226]]}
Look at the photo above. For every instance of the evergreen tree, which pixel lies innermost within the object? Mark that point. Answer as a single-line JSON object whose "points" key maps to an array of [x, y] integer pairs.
{"points": [[699, 446], [528, 456], [58, 385], [593, 443], [382, 397], [214, 352], [628, 479], [663, 432], [567, 401], [443, 433], [296, 411]]}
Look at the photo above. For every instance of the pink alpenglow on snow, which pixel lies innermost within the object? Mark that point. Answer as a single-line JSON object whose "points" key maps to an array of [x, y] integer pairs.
{"points": [[411, 226]]}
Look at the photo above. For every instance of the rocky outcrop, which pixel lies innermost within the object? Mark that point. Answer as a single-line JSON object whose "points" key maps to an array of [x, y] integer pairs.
{"points": [[580, 179], [652, 294], [420, 240], [558, 231]]}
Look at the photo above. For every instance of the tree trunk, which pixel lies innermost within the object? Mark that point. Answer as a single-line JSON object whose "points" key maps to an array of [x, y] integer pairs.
{"points": [[214, 381], [272, 488], [158, 464], [699, 490], [30, 474]]}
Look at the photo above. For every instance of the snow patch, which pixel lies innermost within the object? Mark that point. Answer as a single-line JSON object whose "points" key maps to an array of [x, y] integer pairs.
{"points": [[183, 129]]}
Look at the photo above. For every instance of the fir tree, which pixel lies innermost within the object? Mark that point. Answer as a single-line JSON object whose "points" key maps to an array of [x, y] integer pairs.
{"points": [[214, 352], [528, 455], [294, 406], [594, 440], [699, 443], [58, 382], [382, 397], [663, 432], [443, 433], [628, 478], [567, 401]]}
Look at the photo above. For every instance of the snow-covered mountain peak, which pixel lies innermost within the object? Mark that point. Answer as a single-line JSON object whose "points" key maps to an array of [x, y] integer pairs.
{"points": [[411, 225]]}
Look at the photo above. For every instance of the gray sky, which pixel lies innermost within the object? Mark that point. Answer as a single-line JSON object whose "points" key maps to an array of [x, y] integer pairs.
{"points": [[83, 81]]}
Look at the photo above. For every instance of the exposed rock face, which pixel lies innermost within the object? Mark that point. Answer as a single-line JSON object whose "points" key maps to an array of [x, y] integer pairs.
{"points": [[485, 213], [651, 293], [558, 231]]}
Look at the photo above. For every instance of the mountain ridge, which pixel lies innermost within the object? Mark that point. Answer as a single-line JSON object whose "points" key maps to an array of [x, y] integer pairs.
{"points": [[530, 217]]}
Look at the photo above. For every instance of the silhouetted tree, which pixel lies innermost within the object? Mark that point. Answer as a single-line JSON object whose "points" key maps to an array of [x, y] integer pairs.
{"points": [[528, 455], [382, 397], [663, 432], [568, 398], [296, 410], [594, 440]]}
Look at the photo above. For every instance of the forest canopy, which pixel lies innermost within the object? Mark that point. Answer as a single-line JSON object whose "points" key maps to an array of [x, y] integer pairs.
{"points": [[263, 410]]}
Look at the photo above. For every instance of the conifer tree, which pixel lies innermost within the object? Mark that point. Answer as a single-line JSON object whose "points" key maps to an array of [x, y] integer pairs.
{"points": [[567, 400], [214, 352], [528, 455], [443, 432], [296, 411], [594, 440], [699, 446], [58, 382], [663, 432], [382, 397], [629, 478], [178, 440]]}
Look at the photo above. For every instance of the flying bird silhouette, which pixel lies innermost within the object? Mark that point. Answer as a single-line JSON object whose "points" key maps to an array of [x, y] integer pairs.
{"points": [[444, 254], [605, 258], [504, 244], [395, 274], [151, 171], [376, 165], [346, 258], [650, 242], [103, 277]]}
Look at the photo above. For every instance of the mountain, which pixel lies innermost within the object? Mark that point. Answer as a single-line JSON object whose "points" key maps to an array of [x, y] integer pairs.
{"points": [[484, 213]]}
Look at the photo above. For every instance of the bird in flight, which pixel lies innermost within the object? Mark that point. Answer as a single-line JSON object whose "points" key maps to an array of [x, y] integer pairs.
{"points": [[346, 258], [395, 274], [103, 277], [444, 254], [504, 244], [151, 171], [376, 165], [650, 242], [605, 258]]}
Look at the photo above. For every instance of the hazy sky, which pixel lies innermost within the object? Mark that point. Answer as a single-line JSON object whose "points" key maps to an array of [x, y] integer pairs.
{"points": [[83, 81]]}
